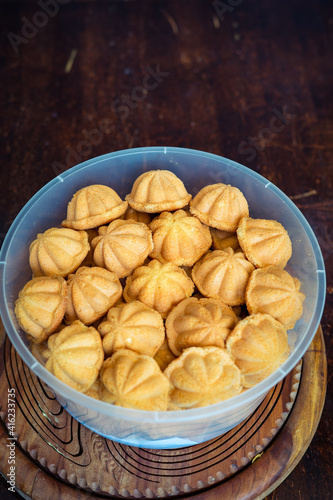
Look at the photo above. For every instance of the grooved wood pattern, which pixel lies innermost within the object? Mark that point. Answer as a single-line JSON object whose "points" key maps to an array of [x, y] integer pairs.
{"points": [[51, 442], [228, 75]]}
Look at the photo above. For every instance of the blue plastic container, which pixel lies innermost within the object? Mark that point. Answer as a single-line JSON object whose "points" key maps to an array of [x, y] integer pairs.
{"points": [[196, 169]]}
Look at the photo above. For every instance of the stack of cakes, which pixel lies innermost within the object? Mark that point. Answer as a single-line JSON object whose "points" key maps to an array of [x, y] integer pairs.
{"points": [[160, 301]]}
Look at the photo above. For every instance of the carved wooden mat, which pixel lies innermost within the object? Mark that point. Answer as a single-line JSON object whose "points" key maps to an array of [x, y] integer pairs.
{"points": [[54, 452]]}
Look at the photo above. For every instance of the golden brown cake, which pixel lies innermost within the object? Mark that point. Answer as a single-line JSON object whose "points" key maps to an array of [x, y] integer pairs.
{"points": [[91, 293], [89, 259], [137, 216], [259, 344], [133, 326], [159, 286], [264, 242], [179, 238], [202, 376], [93, 206], [122, 246], [134, 381], [40, 351], [223, 274], [58, 252], [224, 239], [94, 389], [76, 355], [51, 340], [188, 270], [199, 323], [164, 355], [220, 206], [41, 306], [274, 291], [158, 191]]}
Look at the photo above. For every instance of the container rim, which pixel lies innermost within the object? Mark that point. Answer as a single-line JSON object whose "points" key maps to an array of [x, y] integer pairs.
{"points": [[159, 416]]}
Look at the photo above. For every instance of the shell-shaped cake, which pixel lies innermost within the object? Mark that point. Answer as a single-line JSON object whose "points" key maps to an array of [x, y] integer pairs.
{"points": [[202, 376], [94, 389], [259, 345], [164, 355], [274, 291], [264, 242], [223, 274], [133, 326], [159, 286], [89, 259], [91, 293], [93, 206], [122, 246], [40, 351], [157, 191], [134, 381], [40, 306], [179, 238], [76, 356], [224, 239], [220, 205], [199, 323], [58, 252], [137, 216]]}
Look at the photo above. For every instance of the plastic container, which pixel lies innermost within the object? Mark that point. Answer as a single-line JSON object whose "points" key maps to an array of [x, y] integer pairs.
{"points": [[196, 169]]}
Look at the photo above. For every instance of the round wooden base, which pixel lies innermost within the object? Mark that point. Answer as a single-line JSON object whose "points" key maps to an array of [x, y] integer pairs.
{"points": [[54, 456]]}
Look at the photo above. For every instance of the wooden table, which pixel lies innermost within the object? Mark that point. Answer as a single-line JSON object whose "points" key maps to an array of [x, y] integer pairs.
{"points": [[248, 80]]}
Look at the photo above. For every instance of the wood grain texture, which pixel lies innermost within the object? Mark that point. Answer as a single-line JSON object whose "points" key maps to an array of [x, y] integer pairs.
{"points": [[76, 457], [226, 76], [62, 458]]}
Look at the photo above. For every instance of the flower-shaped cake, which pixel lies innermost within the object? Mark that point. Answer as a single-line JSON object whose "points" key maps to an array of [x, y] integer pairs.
{"points": [[158, 191], [93, 206], [134, 381], [58, 252], [91, 293], [89, 259], [122, 246], [264, 242], [133, 326], [76, 355], [159, 286], [220, 206], [223, 274], [274, 291], [94, 389], [137, 216], [202, 376], [40, 351], [259, 345], [164, 355], [41, 306], [224, 239], [179, 238], [199, 323]]}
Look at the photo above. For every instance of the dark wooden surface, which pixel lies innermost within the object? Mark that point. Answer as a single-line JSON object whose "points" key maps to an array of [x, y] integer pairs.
{"points": [[248, 80]]}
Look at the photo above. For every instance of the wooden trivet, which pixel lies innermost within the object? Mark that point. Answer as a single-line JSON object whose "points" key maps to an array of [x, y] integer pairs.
{"points": [[57, 457]]}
